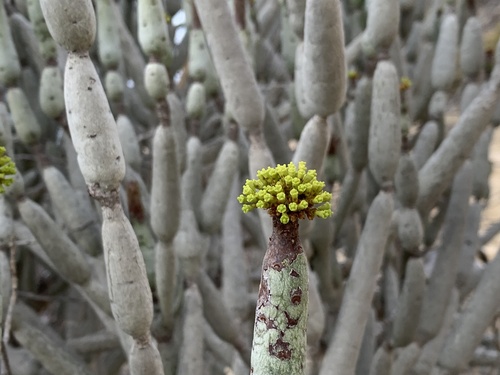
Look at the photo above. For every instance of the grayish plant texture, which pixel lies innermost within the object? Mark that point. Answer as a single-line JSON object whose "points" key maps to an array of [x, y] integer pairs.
{"points": [[135, 126]]}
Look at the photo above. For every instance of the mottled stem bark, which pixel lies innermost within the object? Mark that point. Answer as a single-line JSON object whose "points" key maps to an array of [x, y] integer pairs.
{"points": [[279, 344]]}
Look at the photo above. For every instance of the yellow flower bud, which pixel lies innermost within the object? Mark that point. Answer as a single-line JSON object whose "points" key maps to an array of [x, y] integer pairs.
{"points": [[284, 219], [323, 214], [282, 170], [318, 199], [251, 198], [281, 208]]}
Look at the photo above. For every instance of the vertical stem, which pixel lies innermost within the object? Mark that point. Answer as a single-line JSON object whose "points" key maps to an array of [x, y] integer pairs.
{"points": [[163, 112], [196, 24], [12, 302], [5, 359], [279, 343], [13, 294], [8, 319], [239, 13]]}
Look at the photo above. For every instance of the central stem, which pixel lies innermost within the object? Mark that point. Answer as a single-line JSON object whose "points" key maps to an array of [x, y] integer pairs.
{"points": [[284, 243], [279, 343]]}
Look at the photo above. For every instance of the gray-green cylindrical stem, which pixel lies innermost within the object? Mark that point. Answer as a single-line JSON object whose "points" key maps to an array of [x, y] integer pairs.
{"points": [[358, 129], [218, 316], [381, 26], [91, 123], [296, 11], [344, 347], [469, 247], [260, 157], [144, 358], [350, 186], [323, 69], [72, 24], [67, 258], [51, 93], [235, 270], [165, 193], [444, 273], [279, 343], [444, 64], [55, 358], [313, 143], [474, 320], [75, 210], [431, 351], [26, 124], [214, 199], [129, 291], [384, 143], [409, 304], [191, 353], [438, 171], [108, 38], [165, 265], [406, 359], [235, 73], [10, 69], [406, 181], [153, 31], [426, 143], [368, 346], [275, 137], [382, 362]]}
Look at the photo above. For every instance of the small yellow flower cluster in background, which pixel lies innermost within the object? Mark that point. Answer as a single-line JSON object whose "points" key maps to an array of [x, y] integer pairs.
{"points": [[405, 83], [7, 168], [352, 74], [287, 192]]}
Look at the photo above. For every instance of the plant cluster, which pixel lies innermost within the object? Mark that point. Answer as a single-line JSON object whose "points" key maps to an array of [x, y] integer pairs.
{"points": [[163, 272], [287, 192], [7, 168]]}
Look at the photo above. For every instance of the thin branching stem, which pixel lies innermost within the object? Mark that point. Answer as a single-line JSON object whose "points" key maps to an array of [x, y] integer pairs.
{"points": [[5, 359], [13, 293], [12, 301]]}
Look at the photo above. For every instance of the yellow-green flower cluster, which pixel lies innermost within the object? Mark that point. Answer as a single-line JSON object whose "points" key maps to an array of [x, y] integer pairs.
{"points": [[287, 192], [405, 83], [7, 168]]}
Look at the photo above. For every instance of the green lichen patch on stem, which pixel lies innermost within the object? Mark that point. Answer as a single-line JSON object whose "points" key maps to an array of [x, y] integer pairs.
{"points": [[287, 192], [7, 168]]}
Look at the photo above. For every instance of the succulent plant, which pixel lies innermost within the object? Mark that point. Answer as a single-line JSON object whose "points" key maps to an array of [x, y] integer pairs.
{"points": [[354, 93], [288, 193]]}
